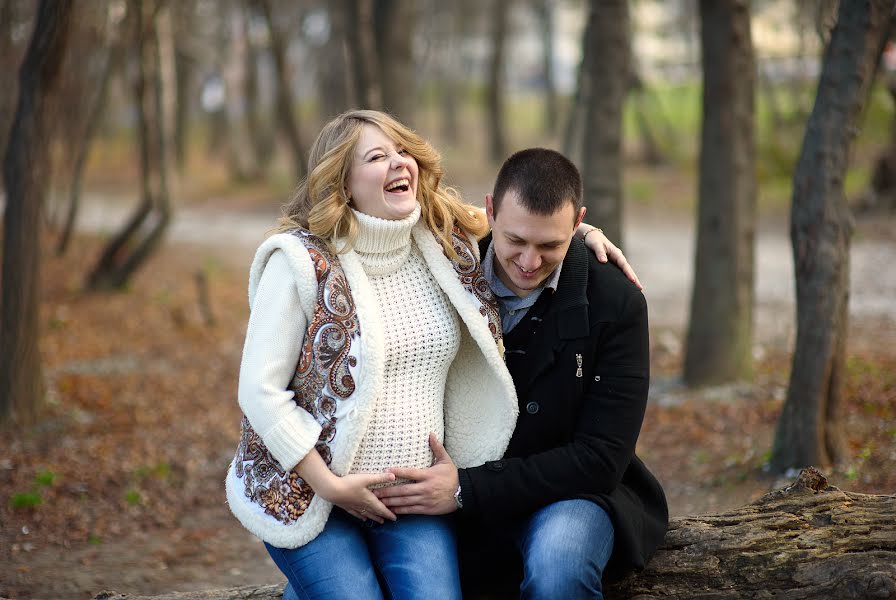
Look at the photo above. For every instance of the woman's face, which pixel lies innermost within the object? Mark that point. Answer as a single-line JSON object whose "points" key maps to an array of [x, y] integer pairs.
{"points": [[382, 180]]}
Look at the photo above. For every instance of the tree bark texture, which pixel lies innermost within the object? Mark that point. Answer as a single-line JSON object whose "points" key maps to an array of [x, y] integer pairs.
{"points": [[142, 234], [820, 229], [608, 23], [25, 171], [807, 540], [395, 58], [497, 139], [285, 102], [720, 328]]}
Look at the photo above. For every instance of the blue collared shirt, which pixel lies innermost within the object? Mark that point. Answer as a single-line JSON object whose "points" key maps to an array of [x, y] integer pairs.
{"points": [[512, 307]]}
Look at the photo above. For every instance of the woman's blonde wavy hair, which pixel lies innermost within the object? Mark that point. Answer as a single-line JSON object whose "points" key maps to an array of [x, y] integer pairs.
{"points": [[319, 204]]}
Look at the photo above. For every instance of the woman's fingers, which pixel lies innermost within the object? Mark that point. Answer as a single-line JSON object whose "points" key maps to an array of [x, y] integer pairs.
{"points": [[619, 258]]}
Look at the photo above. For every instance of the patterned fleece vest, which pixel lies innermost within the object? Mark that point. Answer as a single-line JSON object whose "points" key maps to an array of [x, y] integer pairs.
{"points": [[322, 379]]}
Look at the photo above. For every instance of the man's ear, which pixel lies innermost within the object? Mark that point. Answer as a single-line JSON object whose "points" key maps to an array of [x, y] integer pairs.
{"points": [[580, 217], [489, 208]]}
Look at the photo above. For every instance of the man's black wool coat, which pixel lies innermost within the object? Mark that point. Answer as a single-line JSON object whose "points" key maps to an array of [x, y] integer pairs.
{"points": [[577, 429]]}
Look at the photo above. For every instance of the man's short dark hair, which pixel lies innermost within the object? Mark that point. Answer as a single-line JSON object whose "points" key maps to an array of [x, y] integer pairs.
{"points": [[543, 179]]}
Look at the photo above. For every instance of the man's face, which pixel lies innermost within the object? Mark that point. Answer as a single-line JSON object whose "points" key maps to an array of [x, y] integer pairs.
{"points": [[528, 247]]}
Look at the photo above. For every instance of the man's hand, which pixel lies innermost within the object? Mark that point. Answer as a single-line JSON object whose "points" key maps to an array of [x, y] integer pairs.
{"points": [[432, 492]]}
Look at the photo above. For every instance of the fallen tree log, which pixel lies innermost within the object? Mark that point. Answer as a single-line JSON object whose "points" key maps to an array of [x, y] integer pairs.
{"points": [[807, 540]]}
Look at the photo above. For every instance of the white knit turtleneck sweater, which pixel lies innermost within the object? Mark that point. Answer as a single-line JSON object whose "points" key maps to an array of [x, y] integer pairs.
{"points": [[422, 335]]}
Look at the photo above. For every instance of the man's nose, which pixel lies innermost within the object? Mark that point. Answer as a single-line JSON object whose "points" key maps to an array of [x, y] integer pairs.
{"points": [[530, 259]]}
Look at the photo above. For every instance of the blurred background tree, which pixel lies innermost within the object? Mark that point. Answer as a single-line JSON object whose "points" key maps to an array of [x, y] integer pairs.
{"points": [[720, 327]]}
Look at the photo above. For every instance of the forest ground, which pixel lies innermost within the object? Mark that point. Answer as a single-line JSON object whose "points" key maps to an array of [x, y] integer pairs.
{"points": [[120, 486]]}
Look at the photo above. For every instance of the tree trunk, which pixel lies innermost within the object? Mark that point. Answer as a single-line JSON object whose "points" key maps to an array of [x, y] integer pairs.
{"points": [[608, 22], [238, 143], [357, 27], [96, 110], [285, 102], [143, 233], [495, 85], [453, 32], [26, 168], [720, 328], [820, 230], [544, 10], [395, 59], [574, 133], [807, 540], [333, 66], [184, 69], [9, 62], [261, 138]]}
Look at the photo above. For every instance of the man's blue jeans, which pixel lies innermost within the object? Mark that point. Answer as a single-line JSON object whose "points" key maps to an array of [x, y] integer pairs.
{"points": [[565, 547], [413, 557]]}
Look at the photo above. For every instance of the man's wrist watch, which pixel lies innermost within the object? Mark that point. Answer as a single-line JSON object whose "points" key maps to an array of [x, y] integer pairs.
{"points": [[458, 499]]}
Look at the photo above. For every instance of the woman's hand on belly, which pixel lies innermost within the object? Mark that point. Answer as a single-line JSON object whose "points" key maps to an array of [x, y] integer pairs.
{"points": [[350, 492]]}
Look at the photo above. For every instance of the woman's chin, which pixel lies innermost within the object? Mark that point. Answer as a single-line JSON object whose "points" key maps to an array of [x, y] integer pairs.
{"points": [[401, 208]]}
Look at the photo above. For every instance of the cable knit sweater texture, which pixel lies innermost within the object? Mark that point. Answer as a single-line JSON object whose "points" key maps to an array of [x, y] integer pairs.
{"points": [[426, 361]]}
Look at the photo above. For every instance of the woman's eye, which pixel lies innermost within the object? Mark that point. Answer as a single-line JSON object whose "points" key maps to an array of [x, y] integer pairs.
{"points": [[403, 152], [377, 157]]}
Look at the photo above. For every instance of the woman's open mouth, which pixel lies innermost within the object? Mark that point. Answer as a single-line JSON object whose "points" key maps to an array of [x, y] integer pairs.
{"points": [[399, 186]]}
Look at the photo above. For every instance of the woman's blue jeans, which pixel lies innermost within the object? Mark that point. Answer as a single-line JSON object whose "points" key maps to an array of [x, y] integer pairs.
{"points": [[413, 557]]}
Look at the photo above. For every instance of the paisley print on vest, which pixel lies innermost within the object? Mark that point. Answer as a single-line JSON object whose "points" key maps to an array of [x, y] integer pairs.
{"points": [[322, 379], [471, 277]]}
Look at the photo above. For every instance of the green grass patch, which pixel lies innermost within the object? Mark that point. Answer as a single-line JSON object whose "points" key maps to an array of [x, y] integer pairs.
{"points": [[26, 500], [44, 478], [133, 497]]}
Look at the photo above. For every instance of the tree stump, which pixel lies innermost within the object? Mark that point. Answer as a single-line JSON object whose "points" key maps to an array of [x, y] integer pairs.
{"points": [[807, 540]]}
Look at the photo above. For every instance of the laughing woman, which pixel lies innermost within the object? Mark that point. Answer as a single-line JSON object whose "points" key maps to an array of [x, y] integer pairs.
{"points": [[371, 325]]}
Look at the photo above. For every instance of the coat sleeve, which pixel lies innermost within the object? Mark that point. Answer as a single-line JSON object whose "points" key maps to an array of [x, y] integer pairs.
{"points": [[274, 338], [603, 444]]}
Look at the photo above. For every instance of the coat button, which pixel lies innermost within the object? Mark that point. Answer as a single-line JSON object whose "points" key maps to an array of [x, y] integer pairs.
{"points": [[597, 378], [532, 408], [495, 465]]}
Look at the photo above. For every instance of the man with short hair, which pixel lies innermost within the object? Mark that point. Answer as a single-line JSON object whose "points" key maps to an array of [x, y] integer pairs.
{"points": [[569, 500]]}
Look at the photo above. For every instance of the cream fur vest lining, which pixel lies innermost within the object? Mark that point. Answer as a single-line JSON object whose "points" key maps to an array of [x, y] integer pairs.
{"points": [[340, 373]]}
